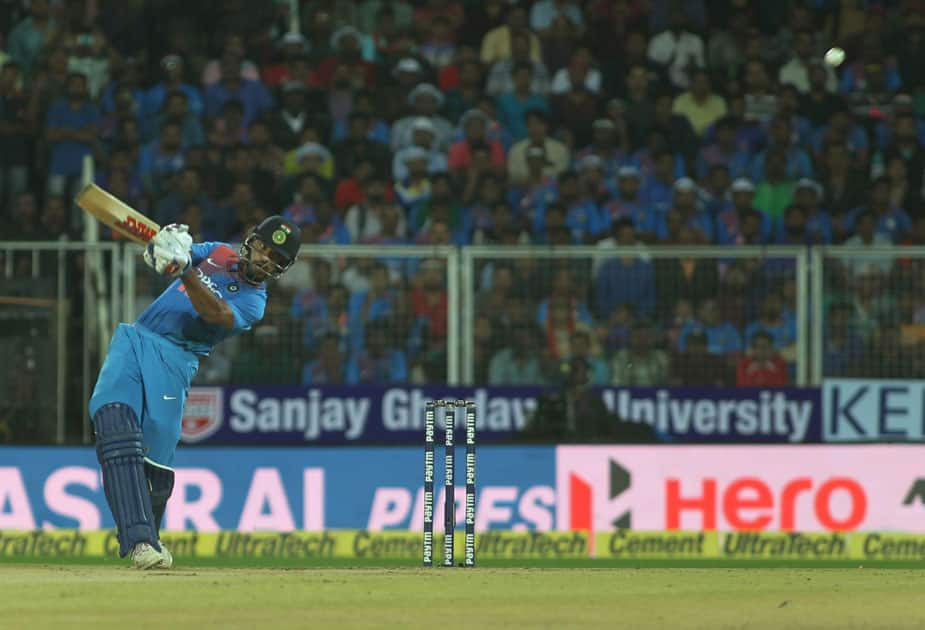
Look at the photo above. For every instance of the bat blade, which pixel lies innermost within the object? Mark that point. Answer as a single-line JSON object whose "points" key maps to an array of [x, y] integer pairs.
{"points": [[118, 215]]}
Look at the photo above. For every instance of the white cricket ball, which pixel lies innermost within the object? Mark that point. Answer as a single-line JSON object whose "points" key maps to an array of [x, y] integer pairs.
{"points": [[835, 57]]}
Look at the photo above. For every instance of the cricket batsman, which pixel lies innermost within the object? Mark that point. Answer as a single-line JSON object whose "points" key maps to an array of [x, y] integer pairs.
{"points": [[137, 404]]}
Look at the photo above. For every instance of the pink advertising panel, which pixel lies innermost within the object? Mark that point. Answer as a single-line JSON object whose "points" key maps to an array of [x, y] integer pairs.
{"points": [[773, 488]]}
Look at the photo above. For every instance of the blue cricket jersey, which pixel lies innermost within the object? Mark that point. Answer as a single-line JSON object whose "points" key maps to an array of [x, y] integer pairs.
{"points": [[173, 316]]}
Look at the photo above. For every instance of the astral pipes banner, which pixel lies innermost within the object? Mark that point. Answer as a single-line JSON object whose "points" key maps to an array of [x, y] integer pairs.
{"points": [[395, 415]]}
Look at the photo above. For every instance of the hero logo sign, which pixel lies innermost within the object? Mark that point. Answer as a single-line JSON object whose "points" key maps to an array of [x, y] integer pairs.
{"points": [[709, 488], [202, 415]]}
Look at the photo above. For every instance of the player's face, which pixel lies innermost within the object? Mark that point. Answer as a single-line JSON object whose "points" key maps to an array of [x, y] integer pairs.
{"points": [[262, 263]]}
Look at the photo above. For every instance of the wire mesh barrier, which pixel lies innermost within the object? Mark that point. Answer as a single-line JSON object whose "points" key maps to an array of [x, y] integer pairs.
{"points": [[869, 318], [634, 316], [55, 321], [342, 315]]}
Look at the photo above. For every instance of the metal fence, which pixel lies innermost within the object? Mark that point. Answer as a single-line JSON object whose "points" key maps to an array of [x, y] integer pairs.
{"points": [[633, 315], [56, 316], [868, 312]]}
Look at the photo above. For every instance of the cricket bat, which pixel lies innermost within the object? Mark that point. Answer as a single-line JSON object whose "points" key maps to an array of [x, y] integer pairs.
{"points": [[118, 215]]}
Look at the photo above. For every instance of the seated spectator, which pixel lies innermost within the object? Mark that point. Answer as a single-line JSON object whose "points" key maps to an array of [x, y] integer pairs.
{"points": [[841, 128], [780, 138], [426, 100], [696, 366], [253, 95], [71, 129], [867, 235], [556, 152], [310, 304], [539, 189], [357, 145], [797, 70], [290, 121], [513, 104], [232, 49], [429, 299], [173, 81], [162, 159], [775, 192], [378, 361], [518, 362], [502, 76], [330, 368], [819, 102], [497, 44], [466, 94], [345, 64], [628, 203], [176, 110], [583, 345], [364, 219], [326, 227], [624, 279], [437, 47], [185, 190], [722, 336], [688, 213], [610, 143], [760, 100], [843, 348], [309, 157], [807, 196], [641, 364], [724, 150], [773, 321], [309, 196], [293, 52], [700, 105], [678, 50], [473, 127], [892, 222], [579, 73], [423, 138], [763, 366]]}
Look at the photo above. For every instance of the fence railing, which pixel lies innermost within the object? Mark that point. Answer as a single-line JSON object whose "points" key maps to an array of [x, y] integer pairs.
{"points": [[868, 312], [449, 312]]}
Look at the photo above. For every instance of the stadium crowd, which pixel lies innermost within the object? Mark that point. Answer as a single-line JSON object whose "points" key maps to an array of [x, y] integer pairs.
{"points": [[556, 122]]}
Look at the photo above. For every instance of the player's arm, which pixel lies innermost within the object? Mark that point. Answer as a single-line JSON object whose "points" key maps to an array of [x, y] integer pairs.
{"points": [[209, 306]]}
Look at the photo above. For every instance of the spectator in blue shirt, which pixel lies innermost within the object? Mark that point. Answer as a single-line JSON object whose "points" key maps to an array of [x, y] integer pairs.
{"points": [[892, 222], [628, 203], [514, 105], [780, 137], [330, 365], [161, 159], [31, 34], [776, 323], [172, 81], [254, 97], [379, 361], [742, 224], [817, 223], [724, 150], [691, 216], [624, 279], [722, 337], [72, 126], [176, 109]]}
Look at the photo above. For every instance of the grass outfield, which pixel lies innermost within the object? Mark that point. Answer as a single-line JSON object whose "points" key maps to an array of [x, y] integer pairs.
{"points": [[112, 595]]}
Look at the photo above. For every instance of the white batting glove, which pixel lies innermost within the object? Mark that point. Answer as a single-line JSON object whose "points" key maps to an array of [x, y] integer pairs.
{"points": [[168, 253]]}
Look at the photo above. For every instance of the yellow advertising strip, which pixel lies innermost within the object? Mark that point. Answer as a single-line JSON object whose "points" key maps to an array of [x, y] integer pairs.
{"points": [[633, 545], [784, 546], [405, 545], [358, 544]]}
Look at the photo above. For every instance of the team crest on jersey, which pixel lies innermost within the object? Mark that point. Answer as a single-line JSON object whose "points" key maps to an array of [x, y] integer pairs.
{"points": [[202, 415], [233, 288]]}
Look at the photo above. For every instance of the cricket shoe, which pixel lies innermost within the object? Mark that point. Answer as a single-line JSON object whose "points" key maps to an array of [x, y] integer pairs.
{"points": [[144, 557], [166, 558]]}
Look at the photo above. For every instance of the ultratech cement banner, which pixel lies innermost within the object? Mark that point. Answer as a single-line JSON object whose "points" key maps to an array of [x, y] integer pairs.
{"points": [[365, 545], [873, 411], [596, 489], [395, 415]]}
